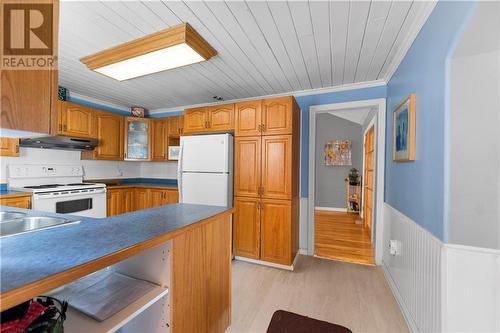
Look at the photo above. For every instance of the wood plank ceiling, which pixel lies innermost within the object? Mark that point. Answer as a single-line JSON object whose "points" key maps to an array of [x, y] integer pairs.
{"points": [[263, 47]]}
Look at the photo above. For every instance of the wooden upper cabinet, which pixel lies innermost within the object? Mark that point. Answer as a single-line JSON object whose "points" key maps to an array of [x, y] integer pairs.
{"points": [[248, 118], [137, 139], [159, 132], [109, 128], [28, 98], [181, 124], [247, 166], [246, 227], [277, 115], [175, 126], [221, 117], [277, 167], [196, 120], [275, 245], [9, 147], [75, 120], [27, 102]]}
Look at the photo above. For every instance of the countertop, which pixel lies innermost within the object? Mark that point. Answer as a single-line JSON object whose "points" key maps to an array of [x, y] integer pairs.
{"points": [[143, 185], [30, 257], [12, 194]]}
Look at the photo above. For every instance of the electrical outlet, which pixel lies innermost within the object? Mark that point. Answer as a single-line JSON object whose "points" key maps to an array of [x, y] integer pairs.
{"points": [[395, 247]]}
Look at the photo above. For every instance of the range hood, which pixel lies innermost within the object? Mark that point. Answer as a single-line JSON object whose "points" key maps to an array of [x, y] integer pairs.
{"points": [[60, 142]]}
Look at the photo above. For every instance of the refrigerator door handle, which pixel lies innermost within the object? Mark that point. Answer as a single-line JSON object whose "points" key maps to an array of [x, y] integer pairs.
{"points": [[179, 173]]}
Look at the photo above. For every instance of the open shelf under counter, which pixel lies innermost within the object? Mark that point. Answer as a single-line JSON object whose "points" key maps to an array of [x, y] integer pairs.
{"points": [[76, 321], [130, 296]]}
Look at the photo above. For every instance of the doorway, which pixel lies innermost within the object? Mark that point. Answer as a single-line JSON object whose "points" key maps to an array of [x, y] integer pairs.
{"points": [[349, 233], [368, 173]]}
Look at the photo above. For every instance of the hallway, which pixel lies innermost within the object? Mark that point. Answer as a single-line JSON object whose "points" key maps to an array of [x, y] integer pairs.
{"points": [[338, 237]]}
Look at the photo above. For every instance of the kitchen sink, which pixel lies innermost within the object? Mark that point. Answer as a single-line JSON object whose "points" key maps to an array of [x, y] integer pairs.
{"points": [[8, 216], [23, 225]]}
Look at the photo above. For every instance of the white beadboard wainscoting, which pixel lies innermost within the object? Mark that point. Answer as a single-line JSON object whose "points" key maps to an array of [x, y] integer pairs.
{"points": [[415, 275], [471, 289], [441, 287]]}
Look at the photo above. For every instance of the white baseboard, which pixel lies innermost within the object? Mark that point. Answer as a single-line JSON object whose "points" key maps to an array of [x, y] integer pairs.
{"points": [[270, 264], [331, 209]]}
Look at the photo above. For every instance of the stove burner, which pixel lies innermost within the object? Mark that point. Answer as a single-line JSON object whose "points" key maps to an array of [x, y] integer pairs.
{"points": [[44, 186]]}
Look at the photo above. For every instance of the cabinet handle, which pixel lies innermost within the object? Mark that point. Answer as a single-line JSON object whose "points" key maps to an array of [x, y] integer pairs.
{"points": [[263, 127], [17, 149], [260, 128], [65, 127]]}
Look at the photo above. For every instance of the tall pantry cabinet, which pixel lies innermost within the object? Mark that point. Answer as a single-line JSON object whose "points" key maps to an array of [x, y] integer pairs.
{"points": [[266, 183]]}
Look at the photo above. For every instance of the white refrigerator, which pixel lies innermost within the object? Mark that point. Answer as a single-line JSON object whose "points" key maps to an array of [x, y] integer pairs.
{"points": [[205, 170]]}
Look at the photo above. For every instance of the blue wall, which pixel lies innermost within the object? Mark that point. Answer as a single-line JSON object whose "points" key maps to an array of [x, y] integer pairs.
{"points": [[328, 98], [166, 114], [304, 103], [417, 188]]}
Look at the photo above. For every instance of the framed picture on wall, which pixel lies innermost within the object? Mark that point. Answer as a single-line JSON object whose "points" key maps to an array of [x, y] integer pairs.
{"points": [[403, 131]]}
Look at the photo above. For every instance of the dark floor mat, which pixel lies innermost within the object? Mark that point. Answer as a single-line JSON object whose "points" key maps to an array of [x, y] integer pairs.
{"points": [[289, 322]]}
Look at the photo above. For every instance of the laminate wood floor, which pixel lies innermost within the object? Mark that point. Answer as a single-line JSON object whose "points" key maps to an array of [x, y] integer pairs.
{"points": [[337, 236], [355, 296]]}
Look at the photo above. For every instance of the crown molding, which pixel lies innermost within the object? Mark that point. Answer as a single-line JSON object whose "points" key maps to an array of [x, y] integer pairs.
{"points": [[420, 18], [308, 92]]}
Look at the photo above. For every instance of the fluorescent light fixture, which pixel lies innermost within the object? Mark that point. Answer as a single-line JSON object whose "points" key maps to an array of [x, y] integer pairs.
{"points": [[175, 47]]}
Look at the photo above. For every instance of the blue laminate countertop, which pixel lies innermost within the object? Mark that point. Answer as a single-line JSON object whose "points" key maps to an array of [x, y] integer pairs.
{"points": [[30, 257]]}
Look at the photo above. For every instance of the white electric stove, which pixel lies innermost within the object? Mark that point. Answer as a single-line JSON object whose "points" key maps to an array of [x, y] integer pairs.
{"points": [[58, 189]]}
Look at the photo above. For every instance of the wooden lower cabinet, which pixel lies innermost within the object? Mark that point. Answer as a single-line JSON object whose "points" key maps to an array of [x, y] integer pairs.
{"points": [[246, 228], [129, 199], [158, 197], [141, 198], [114, 202], [17, 201], [9, 147], [276, 236], [263, 229]]}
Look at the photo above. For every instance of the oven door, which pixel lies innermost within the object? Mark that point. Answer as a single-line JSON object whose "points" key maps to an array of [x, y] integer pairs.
{"points": [[91, 203]]}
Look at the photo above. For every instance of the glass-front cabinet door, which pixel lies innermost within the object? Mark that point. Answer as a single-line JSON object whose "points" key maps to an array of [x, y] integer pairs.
{"points": [[138, 139]]}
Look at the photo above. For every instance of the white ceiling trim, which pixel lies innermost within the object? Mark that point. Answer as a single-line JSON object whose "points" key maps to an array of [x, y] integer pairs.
{"points": [[351, 86], [98, 101], [414, 29]]}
